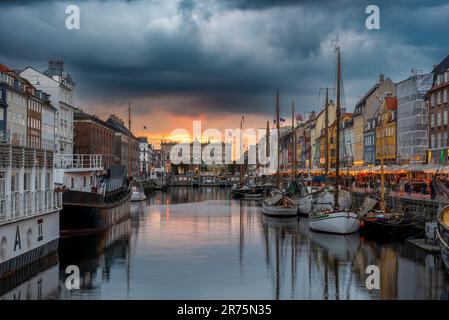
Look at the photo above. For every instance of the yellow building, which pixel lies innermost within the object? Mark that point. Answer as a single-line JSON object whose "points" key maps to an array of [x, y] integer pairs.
{"points": [[316, 132], [386, 132], [332, 143]]}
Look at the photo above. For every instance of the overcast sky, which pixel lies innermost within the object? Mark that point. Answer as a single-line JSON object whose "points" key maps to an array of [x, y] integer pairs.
{"points": [[178, 60]]}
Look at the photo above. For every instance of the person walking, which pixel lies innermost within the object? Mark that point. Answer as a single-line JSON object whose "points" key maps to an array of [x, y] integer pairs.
{"points": [[401, 186]]}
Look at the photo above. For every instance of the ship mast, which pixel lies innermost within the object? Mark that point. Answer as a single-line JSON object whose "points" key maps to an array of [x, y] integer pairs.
{"points": [[326, 131], [129, 140], [278, 174], [242, 153], [382, 178], [338, 111], [267, 142], [293, 143]]}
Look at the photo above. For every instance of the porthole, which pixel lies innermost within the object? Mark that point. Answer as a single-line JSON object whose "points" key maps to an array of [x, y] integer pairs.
{"points": [[3, 248]]}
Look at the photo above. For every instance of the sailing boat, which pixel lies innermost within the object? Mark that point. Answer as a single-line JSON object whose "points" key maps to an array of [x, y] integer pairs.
{"points": [[278, 204], [320, 198], [335, 220], [245, 190], [382, 219]]}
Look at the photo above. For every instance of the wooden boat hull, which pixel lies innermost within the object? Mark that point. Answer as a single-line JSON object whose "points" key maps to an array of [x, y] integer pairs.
{"points": [[279, 211], [86, 213], [443, 234], [340, 222]]}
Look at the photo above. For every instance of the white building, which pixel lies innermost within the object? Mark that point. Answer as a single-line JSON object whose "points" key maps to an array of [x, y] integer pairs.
{"points": [[59, 84], [146, 155], [16, 129]]}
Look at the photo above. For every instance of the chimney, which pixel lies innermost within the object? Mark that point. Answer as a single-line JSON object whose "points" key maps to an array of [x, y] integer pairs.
{"points": [[381, 78]]}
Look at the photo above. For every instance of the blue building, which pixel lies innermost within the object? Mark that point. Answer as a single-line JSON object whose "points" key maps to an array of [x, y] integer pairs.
{"points": [[369, 151]]}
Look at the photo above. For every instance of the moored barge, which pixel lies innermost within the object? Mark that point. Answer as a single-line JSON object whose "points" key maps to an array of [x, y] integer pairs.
{"points": [[29, 207], [93, 201]]}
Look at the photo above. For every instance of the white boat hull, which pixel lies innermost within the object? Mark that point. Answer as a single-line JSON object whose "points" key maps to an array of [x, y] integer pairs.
{"points": [[138, 196], [322, 200], [279, 211], [340, 222]]}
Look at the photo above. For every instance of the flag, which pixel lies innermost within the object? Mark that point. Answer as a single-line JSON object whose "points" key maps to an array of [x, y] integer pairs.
{"points": [[281, 120]]}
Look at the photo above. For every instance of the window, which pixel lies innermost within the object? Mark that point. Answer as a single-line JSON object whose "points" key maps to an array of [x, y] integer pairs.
{"points": [[37, 181], [14, 181], [439, 97], [439, 144], [72, 183], [432, 141], [27, 181], [444, 139], [432, 120], [84, 181], [445, 118], [445, 96], [432, 100], [439, 119], [2, 114]]}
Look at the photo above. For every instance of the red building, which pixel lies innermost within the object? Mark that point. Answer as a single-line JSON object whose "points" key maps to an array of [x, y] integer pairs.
{"points": [[438, 114], [93, 136]]}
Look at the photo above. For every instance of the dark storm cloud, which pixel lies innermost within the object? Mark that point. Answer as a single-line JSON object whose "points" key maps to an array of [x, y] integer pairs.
{"points": [[228, 56]]}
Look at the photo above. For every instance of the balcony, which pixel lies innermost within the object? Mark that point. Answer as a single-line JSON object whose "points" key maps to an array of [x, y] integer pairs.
{"points": [[78, 162]]}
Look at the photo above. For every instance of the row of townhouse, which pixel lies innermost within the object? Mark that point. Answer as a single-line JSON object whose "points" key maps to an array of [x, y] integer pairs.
{"points": [[402, 123]]}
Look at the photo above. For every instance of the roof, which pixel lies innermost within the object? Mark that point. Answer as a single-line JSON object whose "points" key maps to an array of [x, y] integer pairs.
{"points": [[4, 68], [370, 91], [117, 171], [391, 103], [81, 115], [142, 139], [441, 67]]}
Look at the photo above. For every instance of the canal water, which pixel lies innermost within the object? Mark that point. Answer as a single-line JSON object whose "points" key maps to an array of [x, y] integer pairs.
{"points": [[190, 243]]}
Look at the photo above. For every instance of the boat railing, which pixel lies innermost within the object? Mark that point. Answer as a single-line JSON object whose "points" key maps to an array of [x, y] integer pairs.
{"points": [[111, 185], [78, 161], [29, 203]]}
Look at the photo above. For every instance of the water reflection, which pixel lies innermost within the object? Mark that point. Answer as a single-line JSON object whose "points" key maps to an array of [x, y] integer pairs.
{"points": [[199, 243], [37, 281]]}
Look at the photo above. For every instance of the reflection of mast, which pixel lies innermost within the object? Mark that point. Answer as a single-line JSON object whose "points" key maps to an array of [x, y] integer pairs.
{"points": [[242, 235], [293, 265], [337, 286], [278, 286]]}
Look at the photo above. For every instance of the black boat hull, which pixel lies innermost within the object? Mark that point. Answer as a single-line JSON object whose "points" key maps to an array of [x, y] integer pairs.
{"points": [[86, 213]]}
